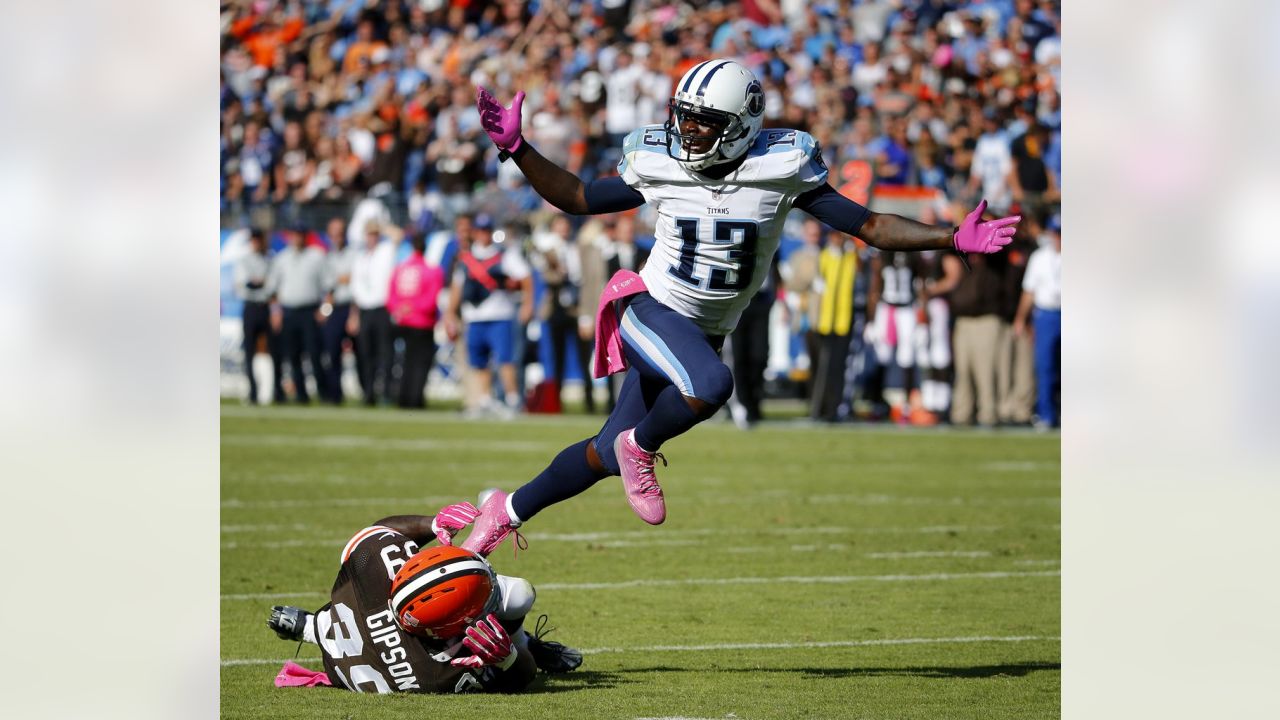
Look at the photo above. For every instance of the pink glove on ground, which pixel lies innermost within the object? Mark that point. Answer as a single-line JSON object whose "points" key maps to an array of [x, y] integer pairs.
{"points": [[502, 124], [451, 519], [490, 645], [984, 237]]}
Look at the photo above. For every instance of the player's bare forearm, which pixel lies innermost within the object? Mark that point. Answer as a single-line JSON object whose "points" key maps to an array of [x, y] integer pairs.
{"points": [[896, 233], [555, 184], [416, 527]]}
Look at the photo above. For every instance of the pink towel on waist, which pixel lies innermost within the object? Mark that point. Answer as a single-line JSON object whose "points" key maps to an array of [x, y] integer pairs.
{"points": [[294, 675], [609, 355]]}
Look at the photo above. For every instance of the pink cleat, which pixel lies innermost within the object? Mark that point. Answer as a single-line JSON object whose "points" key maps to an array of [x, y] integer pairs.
{"points": [[492, 527], [638, 479]]}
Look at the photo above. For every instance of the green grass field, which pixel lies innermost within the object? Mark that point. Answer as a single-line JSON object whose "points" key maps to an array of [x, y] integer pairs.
{"points": [[803, 571]]}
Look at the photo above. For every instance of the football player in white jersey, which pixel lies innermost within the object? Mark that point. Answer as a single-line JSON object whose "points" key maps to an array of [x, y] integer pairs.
{"points": [[721, 187]]}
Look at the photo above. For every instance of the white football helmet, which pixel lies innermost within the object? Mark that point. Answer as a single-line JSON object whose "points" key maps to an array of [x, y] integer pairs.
{"points": [[722, 94]]}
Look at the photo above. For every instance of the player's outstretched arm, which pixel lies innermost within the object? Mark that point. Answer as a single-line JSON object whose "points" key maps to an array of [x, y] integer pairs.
{"points": [[556, 185], [894, 232]]}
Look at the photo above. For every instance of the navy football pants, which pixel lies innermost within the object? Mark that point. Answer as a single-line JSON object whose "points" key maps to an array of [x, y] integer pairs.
{"points": [[670, 358], [664, 348]]}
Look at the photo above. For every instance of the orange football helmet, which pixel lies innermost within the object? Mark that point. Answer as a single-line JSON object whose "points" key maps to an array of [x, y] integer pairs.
{"points": [[440, 591]]}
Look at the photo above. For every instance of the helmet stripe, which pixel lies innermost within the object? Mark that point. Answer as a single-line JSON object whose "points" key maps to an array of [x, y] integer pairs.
{"points": [[428, 578], [703, 87], [692, 74]]}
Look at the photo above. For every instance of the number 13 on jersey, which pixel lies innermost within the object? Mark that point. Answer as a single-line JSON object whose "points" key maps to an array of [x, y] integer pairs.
{"points": [[725, 263]]}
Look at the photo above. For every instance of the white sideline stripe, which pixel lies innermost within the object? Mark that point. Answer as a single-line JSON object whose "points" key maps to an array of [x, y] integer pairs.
{"points": [[365, 417], [273, 596], [1019, 466], [744, 646], [750, 580], [673, 538], [823, 644], [820, 530], [878, 499], [645, 538], [799, 579], [335, 502], [929, 554], [347, 442]]}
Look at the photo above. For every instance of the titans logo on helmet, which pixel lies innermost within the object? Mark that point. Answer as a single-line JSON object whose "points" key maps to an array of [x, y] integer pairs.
{"points": [[755, 98]]}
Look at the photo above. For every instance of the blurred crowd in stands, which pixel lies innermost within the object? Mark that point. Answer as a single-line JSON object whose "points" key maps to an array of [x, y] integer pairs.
{"points": [[349, 138]]}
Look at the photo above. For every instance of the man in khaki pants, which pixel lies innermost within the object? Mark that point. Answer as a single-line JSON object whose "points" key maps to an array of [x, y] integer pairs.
{"points": [[976, 304]]}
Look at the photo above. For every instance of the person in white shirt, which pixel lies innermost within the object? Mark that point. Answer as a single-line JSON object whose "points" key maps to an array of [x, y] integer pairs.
{"points": [[1042, 292], [992, 163], [623, 90], [297, 280], [338, 265], [251, 285], [370, 280]]}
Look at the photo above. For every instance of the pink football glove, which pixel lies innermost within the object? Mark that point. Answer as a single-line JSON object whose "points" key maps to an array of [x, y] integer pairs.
{"points": [[984, 237], [452, 519], [502, 124], [490, 645]]}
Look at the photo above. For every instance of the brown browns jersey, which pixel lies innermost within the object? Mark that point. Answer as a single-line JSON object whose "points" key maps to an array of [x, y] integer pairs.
{"points": [[364, 649]]}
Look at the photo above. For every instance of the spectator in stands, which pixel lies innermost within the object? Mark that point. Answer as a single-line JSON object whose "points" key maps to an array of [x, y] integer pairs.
{"points": [[411, 302], [338, 265], [298, 281], [492, 289], [251, 286], [992, 164], [370, 323], [1031, 183], [1042, 301], [623, 87], [255, 163]]}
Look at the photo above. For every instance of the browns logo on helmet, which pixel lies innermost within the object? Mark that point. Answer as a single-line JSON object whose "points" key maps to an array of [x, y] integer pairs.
{"points": [[440, 591]]}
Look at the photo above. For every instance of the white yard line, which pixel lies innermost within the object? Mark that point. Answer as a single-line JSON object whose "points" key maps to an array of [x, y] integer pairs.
{"points": [[365, 442], [1020, 466], [644, 538], [797, 579], [747, 580], [879, 499], [712, 647], [424, 500], [928, 554]]}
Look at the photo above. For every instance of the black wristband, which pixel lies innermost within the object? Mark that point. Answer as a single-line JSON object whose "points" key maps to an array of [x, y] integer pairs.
{"points": [[503, 154], [963, 260]]}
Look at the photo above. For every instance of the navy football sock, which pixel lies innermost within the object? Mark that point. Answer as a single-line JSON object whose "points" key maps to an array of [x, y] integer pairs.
{"points": [[566, 476], [670, 416]]}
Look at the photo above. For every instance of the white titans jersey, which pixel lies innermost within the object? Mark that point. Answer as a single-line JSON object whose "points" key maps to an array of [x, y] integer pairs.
{"points": [[716, 238]]}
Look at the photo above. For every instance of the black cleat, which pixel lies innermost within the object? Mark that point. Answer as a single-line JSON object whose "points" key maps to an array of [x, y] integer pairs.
{"points": [[288, 622], [550, 656]]}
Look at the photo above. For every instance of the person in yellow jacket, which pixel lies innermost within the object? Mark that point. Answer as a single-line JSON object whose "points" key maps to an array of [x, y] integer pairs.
{"points": [[837, 271]]}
